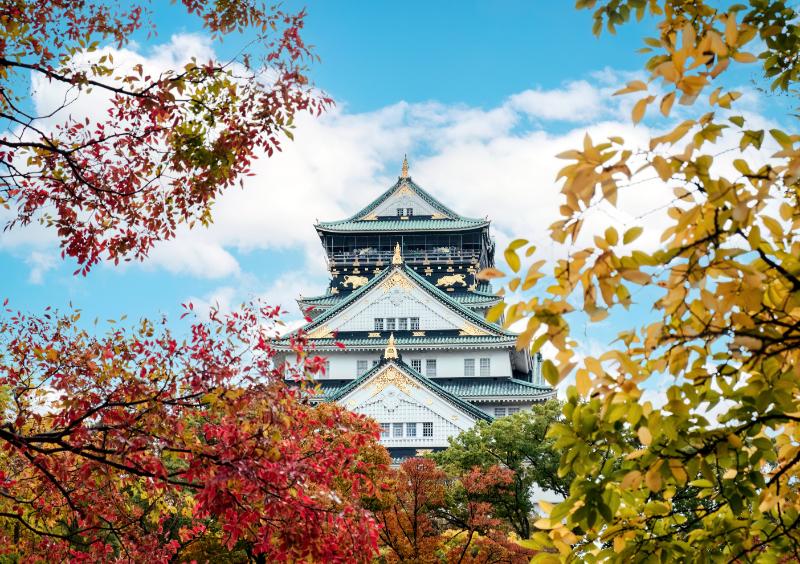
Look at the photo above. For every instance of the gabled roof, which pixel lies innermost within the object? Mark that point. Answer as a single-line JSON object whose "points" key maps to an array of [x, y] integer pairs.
{"points": [[432, 290], [472, 389], [413, 374], [472, 299], [446, 219]]}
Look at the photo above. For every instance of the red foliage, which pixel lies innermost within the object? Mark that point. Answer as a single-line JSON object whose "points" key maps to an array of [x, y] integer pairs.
{"points": [[427, 516], [134, 445], [168, 145]]}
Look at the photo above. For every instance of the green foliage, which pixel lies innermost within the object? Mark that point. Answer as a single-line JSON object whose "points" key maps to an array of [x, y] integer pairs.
{"points": [[517, 442]]}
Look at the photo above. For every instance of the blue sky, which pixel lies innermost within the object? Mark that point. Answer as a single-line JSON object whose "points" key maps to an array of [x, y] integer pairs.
{"points": [[481, 95]]}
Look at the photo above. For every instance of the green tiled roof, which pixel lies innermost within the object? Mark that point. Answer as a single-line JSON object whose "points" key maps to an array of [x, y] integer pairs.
{"points": [[466, 389], [402, 225], [464, 298], [412, 343], [427, 382], [425, 285], [453, 221], [494, 387]]}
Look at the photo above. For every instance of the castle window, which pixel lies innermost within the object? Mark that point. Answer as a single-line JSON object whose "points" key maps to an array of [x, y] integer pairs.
{"points": [[397, 430], [486, 366], [384, 430], [499, 411], [361, 367], [409, 211], [390, 323], [416, 364], [430, 368], [411, 429], [379, 323], [327, 370], [400, 211], [513, 410], [402, 324], [469, 367], [414, 322], [427, 429]]}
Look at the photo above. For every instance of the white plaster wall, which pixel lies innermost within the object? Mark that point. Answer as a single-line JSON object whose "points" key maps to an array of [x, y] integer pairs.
{"points": [[389, 207], [449, 364], [397, 302]]}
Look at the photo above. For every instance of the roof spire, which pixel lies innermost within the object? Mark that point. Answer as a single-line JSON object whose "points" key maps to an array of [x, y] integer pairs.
{"points": [[398, 256], [391, 350], [404, 170]]}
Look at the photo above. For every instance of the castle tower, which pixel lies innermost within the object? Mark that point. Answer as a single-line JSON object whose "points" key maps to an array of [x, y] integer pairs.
{"points": [[404, 300]]}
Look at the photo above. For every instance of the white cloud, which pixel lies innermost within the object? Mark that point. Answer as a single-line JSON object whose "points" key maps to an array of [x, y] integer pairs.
{"points": [[579, 101], [40, 263]]}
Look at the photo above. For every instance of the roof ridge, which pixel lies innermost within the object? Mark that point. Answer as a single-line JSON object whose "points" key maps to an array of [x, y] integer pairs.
{"points": [[419, 190]]}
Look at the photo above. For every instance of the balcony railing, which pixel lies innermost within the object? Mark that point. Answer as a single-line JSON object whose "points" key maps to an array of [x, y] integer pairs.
{"points": [[440, 255]]}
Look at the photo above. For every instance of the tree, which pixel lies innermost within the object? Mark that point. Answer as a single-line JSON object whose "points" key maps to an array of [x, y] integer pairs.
{"points": [[136, 445], [518, 443], [166, 145], [428, 516], [726, 321]]}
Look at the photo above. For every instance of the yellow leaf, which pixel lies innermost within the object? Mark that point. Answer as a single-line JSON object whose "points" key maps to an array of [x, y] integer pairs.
{"points": [[631, 235], [633, 86], [645, 436], [583, 381], [631, 480], [663, 168], [543, 524], [640, 107], [742, 57], [489, 273], [653, 477], [612, 236]]}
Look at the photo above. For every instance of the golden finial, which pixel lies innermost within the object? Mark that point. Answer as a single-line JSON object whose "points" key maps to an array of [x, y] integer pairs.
{"points": [[398, 256], [391, 350], [404, 170]]}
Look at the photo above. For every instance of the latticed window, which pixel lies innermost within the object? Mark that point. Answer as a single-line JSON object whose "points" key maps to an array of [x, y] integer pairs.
{"points": [[397, 430], [361, 367], [402, 324], [414, 322], [427, 429], [409, 211], [379, 323], [486, 364], [390, 324], [400, 211], [430, 368], [469, 367], [384, 430], [416, 364], [499, 411], [411, 429], [512, 410]]}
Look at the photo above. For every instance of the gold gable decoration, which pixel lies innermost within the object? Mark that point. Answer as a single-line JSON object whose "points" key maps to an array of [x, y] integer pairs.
{"points": [[468, 329], [396, 280], [404, 168], [392, 376], [321, 332]]}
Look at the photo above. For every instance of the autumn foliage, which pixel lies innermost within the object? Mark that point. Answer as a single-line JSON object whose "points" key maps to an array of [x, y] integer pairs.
{"points": [[136, 445], [721, 296], [161, 145], [428, 516]]}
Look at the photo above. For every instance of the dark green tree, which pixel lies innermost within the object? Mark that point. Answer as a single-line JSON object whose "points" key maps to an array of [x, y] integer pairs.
{"points": [[517, 442]]}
